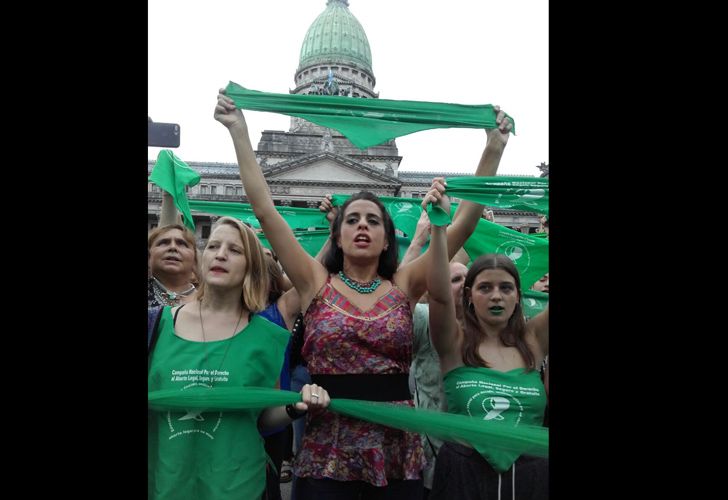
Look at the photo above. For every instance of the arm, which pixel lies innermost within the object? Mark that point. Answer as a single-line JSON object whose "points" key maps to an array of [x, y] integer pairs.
{"points": [[306, 274], [468, 213], [284, 283], [444, 330], [168, 212], [418, 240], [277, 416], [289, 305]]}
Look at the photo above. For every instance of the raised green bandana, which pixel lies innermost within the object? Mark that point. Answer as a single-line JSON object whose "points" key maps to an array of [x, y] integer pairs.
{"points": [[530, 194], [367, 122], [173, 175]]}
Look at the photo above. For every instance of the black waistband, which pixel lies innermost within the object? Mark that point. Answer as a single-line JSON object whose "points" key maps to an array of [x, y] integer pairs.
{"points": [[368, 387]]}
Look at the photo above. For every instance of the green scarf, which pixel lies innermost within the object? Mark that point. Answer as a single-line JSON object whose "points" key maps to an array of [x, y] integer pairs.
{"points": [[367, 122], [528, 439], [173, 175]]}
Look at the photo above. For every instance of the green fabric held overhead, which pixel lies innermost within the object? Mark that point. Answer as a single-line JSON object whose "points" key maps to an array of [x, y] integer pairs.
{"points": [[529, 254], [533, 302], [530, 194], [296, 218], [524, 439], [367, 122], [174, 176], [438, 216]]}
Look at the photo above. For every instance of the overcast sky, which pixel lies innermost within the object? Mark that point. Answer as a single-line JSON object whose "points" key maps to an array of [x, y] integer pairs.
{"points": [[459, 51]]}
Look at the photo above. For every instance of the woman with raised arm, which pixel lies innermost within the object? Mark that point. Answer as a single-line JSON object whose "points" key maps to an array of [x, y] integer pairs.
{"points": [[489, 364], [358, 316], [220, 339]]}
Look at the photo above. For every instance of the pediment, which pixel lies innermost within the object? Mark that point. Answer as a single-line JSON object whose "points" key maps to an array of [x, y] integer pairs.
{"points": [[326, 167]]}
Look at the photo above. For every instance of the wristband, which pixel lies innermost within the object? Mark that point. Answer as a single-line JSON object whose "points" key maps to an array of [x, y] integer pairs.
{"points": [[293, 413]]}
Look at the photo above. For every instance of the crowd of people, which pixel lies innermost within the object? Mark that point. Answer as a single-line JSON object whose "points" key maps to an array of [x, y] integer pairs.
{"points": [[354, 323]]}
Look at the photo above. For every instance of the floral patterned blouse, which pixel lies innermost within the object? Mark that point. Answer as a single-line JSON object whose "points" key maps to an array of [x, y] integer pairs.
{"points": [[342, 339]]}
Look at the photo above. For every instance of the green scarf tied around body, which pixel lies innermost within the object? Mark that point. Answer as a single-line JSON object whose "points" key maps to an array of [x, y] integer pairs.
{"points": [[524, 439], [367, 122], [174, 176]]}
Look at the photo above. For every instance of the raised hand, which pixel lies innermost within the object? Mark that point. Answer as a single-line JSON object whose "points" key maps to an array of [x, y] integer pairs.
{"points": [[499, 135], [422, 231], [226, 112], [327, 206], [437, 195]]}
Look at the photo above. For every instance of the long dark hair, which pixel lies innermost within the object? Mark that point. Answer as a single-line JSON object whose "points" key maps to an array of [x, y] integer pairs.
{"points": [[513, 335], [388, 259]]}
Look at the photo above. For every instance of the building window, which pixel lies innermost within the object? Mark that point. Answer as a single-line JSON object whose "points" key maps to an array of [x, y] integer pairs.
{"points": [[213, 189], [229, 191], [205, 231], [204, 189], [239, 190]]}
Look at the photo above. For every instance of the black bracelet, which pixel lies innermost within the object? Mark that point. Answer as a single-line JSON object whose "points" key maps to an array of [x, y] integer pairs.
{"points": [[293, 413]]}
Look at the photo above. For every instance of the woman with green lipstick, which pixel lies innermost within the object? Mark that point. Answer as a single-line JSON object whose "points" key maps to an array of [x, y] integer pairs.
{"points": [[489, 372]]}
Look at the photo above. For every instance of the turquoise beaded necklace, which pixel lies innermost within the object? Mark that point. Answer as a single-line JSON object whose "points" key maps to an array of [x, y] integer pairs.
{"points": [[368, 287]]}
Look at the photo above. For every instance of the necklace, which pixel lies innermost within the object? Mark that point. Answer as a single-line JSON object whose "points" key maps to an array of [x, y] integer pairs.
{"points": [[166, 297], [360, 287], [204, 341]]}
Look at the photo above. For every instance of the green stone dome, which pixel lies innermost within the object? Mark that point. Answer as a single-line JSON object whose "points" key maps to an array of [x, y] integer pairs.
{"points": [[336, 36]]}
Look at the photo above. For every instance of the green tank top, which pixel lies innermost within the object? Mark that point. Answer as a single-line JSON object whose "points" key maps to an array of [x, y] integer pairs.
{"points": [[511, 398], [210, 454]]}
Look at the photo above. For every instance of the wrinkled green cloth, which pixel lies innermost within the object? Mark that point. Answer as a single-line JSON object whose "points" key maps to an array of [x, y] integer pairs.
{"points": [[367, 122], [530, 194], [534, 302], [296, 218], [173, 175], [529, 254], [524, 439]]}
